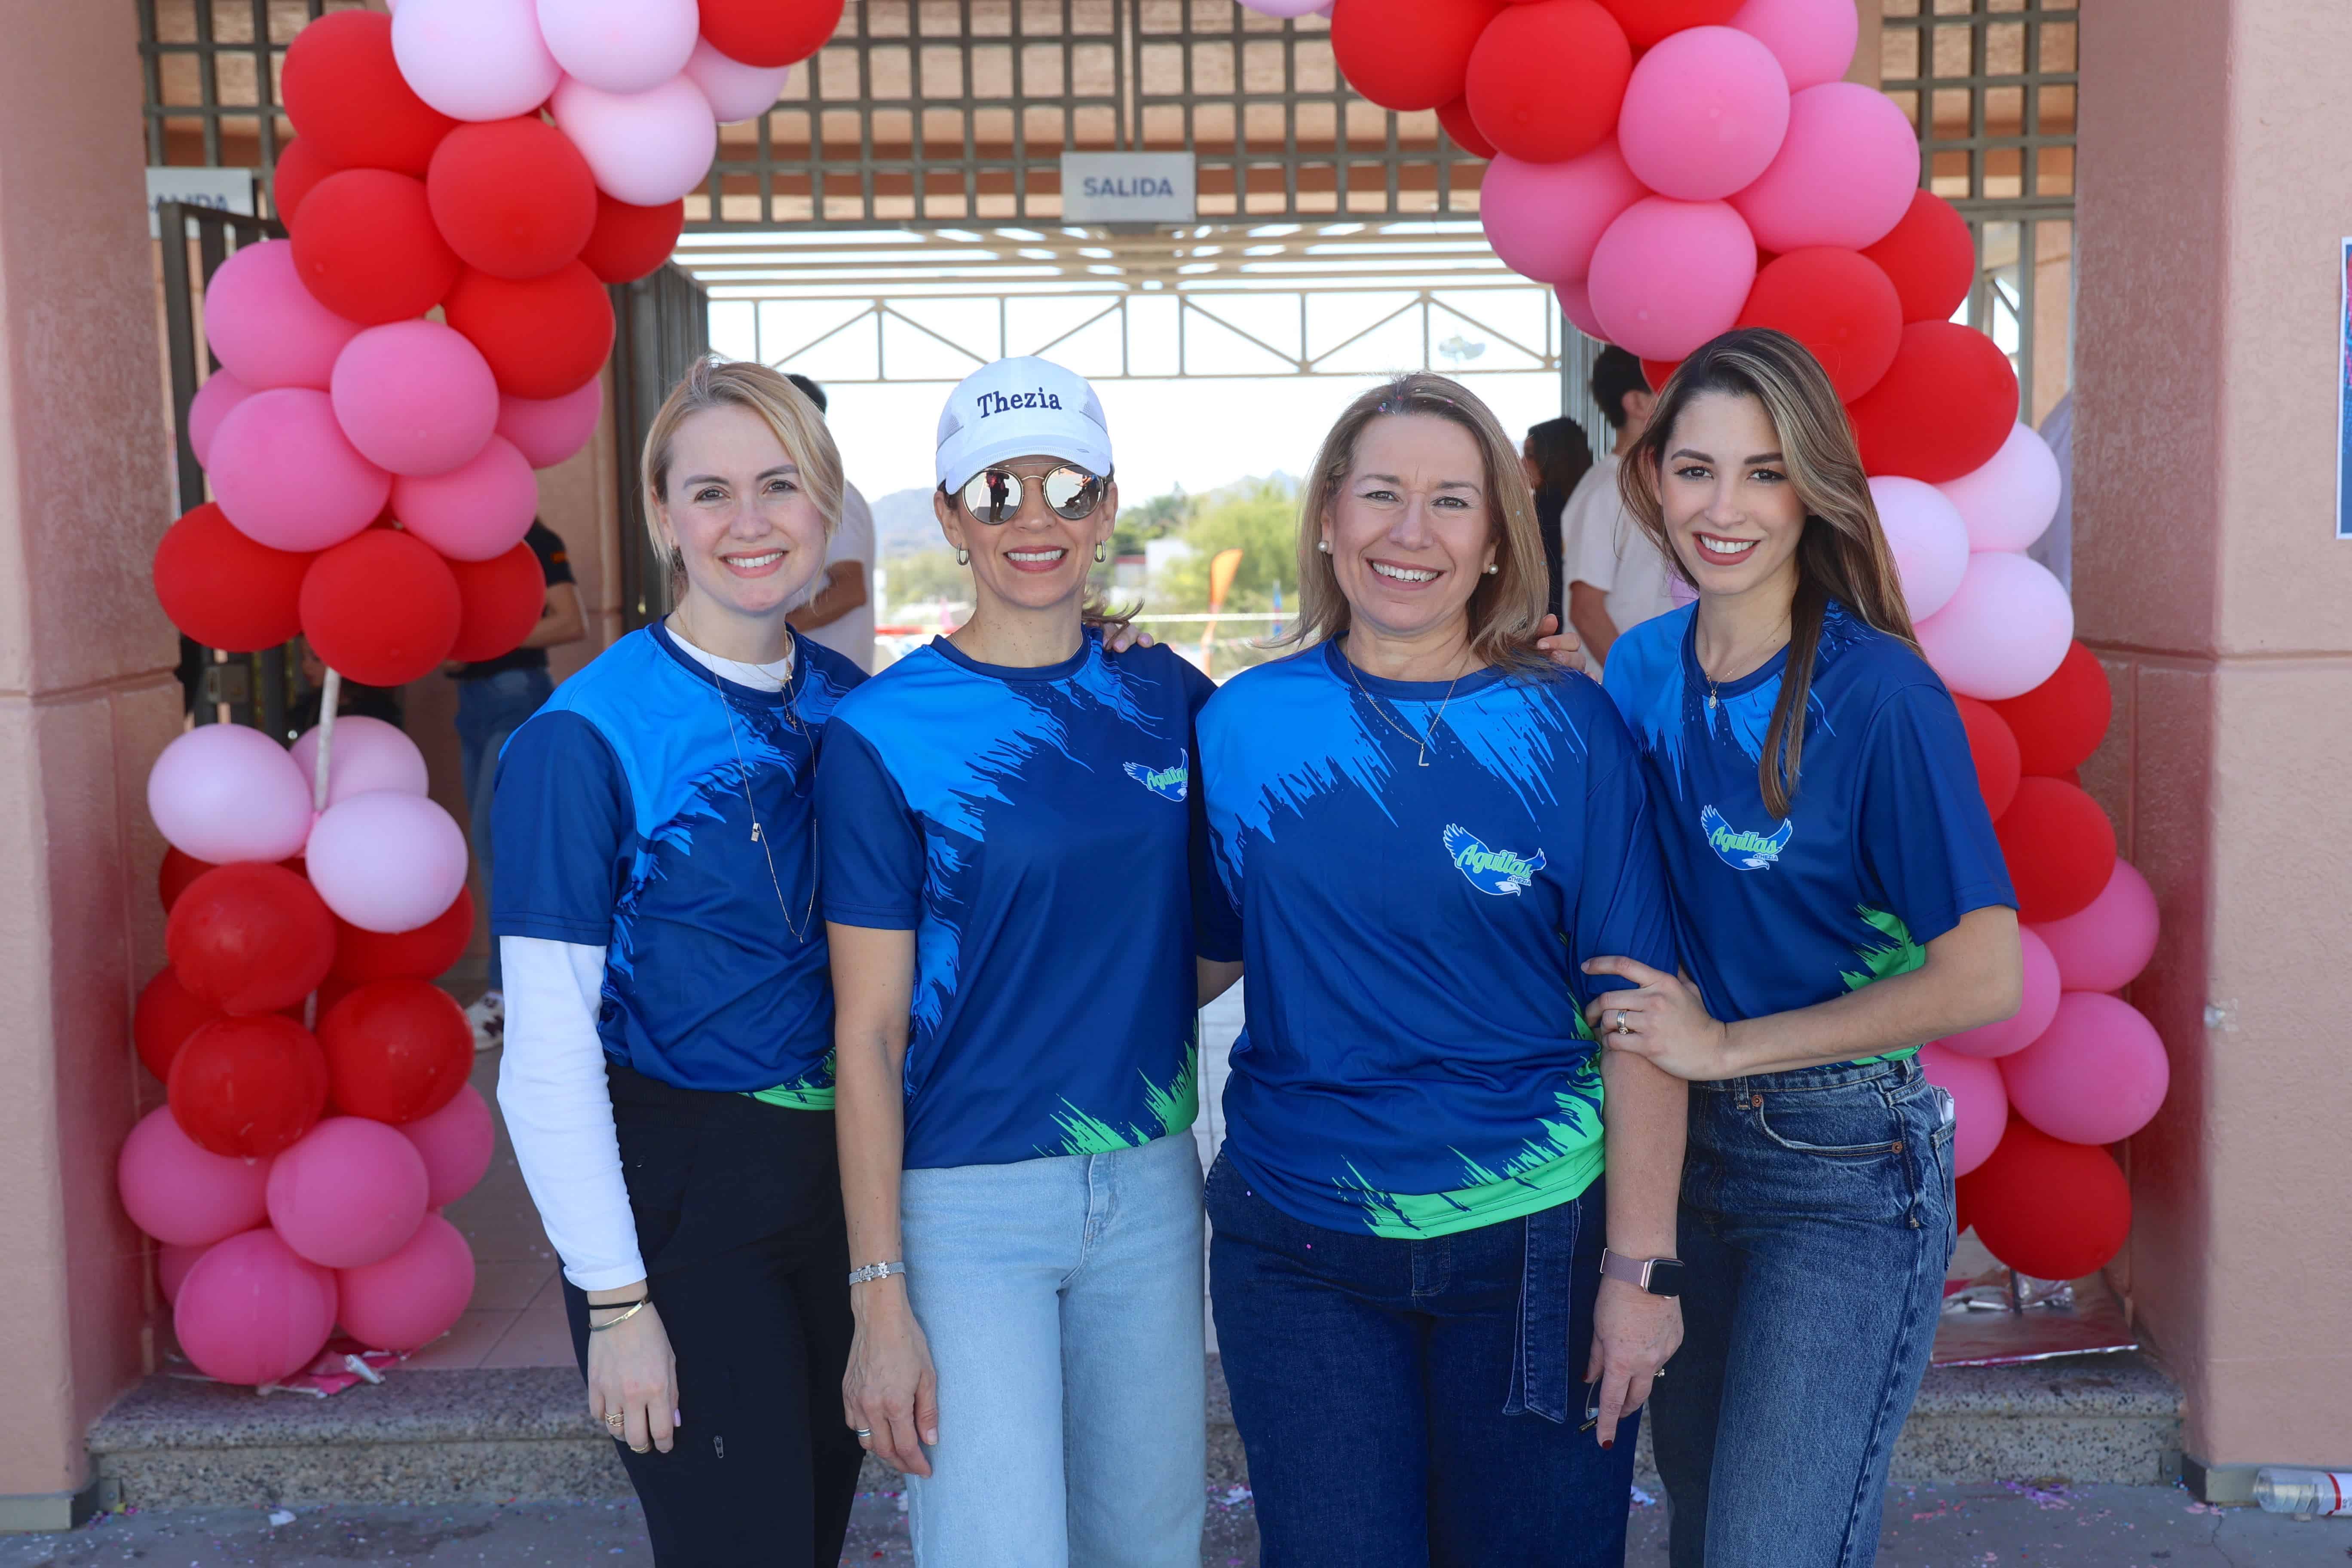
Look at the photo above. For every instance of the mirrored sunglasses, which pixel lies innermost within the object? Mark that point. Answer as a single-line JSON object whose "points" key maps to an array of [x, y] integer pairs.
{"points": [[993, 495]]}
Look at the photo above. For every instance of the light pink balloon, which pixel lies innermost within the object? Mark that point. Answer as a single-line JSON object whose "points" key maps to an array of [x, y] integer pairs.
{"points": [[1680, 592], [1931, 546], [2039, 1006], [1576, 304], [1979, 1104], [228, 792], [1543, 219], [386, 862], [647, 148], [477, 512], [368, 754], [220, 392], [413, 1297], [1704, 114], [1669, 275], [2105, 946], [2097, 1075], [736, 91], [1812, 40], [184, 1194], [171, 1266], [1288, 8], [455, 1141], [474, 60], [2010, 502], [286, 475], [548, 430], [620, 45], [352, 1192], [264, 327], [1845, 174], [2004, 633], [415, 397], [250, 1310]]}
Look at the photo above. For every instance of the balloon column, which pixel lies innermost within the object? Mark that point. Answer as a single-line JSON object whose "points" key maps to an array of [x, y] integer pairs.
{"points": [[467, 178]]}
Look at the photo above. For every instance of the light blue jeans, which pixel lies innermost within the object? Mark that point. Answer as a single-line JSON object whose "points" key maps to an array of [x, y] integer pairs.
{"points": [[1062, 1297]]}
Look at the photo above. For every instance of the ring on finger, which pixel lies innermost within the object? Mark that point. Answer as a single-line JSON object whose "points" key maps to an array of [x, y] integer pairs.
{"points": [[865, 1434], [615, 1422]]}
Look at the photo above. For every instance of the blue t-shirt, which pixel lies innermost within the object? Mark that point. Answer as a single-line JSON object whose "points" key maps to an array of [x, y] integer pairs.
{"points": [[624, 819], [1416, 1060], [1033, 828], [1886, 844]]}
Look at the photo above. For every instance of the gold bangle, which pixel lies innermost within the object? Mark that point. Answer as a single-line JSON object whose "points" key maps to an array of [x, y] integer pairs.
{"points": [[639, 1305]]}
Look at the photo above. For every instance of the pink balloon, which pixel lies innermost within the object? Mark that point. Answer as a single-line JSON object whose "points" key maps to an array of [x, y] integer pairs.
{"points": [[411, 1298], [415, 397], [250, 1310], [2095, 1076], [1812, 40], [736, 91], [228, 792], [647, 148], [2033, 1013], [1576, 304], [1843, 176], [1680, 592], [620, 45], [184, 1194], [264, 325], [455, 1141], [2010, 502], [368, 754], [474, 60], [477, 512], [1287, 8], [1704, 112], [1979, 1104], [1931, 546], [286, 475], [351, 1192], [220, 392], [2004, 632], [547, 431], [1669, 275], [1543, 219], [171, 1266], [2105, 946], [386, 862]]}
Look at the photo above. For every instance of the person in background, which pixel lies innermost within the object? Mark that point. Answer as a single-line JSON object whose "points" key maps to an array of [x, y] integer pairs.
{"points": [[1617, 579], [359, 701], [841, 617], [494, 697], [1557, 455]]}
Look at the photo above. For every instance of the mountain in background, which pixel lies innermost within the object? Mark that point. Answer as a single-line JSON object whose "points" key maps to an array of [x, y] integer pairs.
{"points": [[904, 524]]}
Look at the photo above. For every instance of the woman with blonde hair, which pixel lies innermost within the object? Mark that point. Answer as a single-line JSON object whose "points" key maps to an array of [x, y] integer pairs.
{"points": [[1419, 826], [1839, 898]]}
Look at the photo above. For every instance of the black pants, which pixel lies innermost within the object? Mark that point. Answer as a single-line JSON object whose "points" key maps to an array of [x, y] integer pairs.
{"points": [[763, 1470]]}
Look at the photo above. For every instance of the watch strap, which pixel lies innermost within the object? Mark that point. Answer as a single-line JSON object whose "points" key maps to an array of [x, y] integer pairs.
{"points": [[1641, 1273]]}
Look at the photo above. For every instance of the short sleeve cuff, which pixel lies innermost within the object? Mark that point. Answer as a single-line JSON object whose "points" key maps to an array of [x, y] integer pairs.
{"points": [[551, 928], [1925, 927], [870, 917]]}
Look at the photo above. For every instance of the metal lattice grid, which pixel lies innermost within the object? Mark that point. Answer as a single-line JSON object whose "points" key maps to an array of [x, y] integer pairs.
{"points": [[211, 70]]}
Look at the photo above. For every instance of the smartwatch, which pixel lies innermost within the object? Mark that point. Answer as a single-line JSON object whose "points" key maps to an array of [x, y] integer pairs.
{"points": [[1658, 1276]]}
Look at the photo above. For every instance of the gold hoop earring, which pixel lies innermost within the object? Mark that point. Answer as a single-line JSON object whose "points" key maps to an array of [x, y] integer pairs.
{"points": [[963, 557]]}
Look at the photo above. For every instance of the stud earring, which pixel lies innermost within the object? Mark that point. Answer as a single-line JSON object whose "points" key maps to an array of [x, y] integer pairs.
{"points": [[963, 557], [1491, 569], [1098, 551], [1324, 546]]}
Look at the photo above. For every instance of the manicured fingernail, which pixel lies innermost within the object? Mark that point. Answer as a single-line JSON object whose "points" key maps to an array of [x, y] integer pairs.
{"points": [[1608, 1442], [677, 1417]]}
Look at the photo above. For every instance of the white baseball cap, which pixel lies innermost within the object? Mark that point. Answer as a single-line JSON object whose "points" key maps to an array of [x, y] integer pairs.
{"points": [[1022, 408]]}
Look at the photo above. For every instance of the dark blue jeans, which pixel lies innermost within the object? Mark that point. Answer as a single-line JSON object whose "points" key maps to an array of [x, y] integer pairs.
{"points": [[1408, 1403], [489, 708], [1816, 1225]]}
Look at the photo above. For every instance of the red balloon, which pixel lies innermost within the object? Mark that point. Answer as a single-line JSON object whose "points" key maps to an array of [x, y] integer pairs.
{"points": [[1839, 305], [167, 1014], [1993, 749], [2061, 722], [2060, 847], [503, 598], [1647, 21], [396, 1050], [381, 607], [1546, 79], [299, 167], [1455, 116], [365, 247], [250, 937], [1658, 371], [629, 242], [172, 878], [543, 338], [1931, 256], [331, 990], [363, 956], [2051, 1210], [513, 197], [1942, 409], [225, 590], [248, 1087], [1409, 54], [769, 33], [345, 94]]}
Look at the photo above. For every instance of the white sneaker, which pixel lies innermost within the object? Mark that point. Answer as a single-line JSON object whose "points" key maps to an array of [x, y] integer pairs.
{"points": [[489, 1017]]}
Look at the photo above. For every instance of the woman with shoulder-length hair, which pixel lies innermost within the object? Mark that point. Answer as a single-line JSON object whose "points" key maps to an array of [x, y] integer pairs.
{"points": [[667, 1077], [1839, 898], [1419, 826]]}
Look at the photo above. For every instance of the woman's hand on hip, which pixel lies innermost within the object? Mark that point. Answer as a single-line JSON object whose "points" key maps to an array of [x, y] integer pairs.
{"points": [[891, 1395], [633, 1374], [1664, 1021], [1633, 1333]]}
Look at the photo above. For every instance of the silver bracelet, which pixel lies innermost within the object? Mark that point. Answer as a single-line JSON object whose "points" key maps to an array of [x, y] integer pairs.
{"points": [[874, 1271]]}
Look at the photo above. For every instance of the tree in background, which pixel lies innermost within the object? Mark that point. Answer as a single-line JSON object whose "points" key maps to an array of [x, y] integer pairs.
{"points": [[1259, 516]]}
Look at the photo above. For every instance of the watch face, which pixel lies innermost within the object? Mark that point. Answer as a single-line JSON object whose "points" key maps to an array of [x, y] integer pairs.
{"points": [[1665, 1277]]}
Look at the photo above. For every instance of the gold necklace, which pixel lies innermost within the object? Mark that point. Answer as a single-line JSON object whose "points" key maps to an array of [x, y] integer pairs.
{"points": [[743, 782], [1715, 686], [1420, 742]]}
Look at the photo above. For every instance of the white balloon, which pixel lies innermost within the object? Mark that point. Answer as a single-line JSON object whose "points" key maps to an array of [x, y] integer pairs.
{"points": [[2010, 502], [647, 148], [1931, 546], [474, 60], [736, 91], [2004, 633], [621, 45]]}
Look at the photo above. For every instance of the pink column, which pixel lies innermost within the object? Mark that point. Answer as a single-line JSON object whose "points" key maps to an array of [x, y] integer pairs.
{"points": [[2216, 189]]}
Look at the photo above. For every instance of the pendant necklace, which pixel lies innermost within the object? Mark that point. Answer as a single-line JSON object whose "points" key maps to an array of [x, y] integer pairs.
{"points": [[1421, 742], [743, 782]]}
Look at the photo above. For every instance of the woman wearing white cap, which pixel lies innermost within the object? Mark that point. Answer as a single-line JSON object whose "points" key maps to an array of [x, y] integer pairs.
{"points": [[1016, 1071]]}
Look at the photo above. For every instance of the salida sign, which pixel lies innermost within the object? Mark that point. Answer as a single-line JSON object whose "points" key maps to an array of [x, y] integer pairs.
{"points": [[1128, 188]]}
